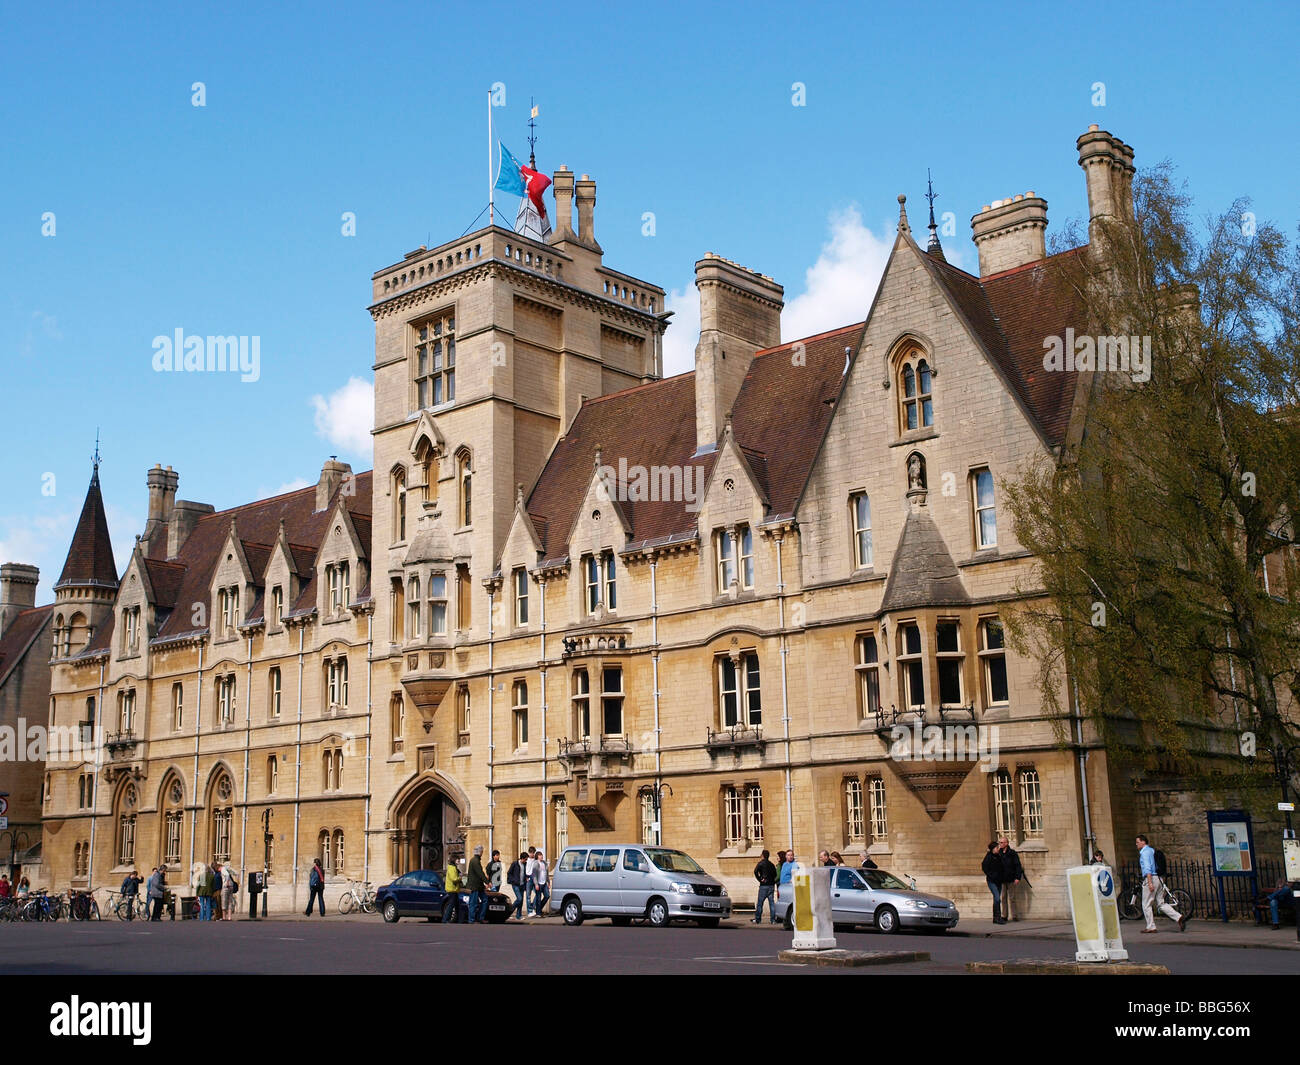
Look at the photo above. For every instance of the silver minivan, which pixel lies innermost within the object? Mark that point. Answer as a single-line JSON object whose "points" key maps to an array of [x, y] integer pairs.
{"points": [[626, 881]]}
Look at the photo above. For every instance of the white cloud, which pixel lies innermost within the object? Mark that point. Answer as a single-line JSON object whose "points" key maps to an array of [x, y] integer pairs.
{"points": [[839, 286], [344, 418], [684, 331], [292, 486], [838, 289], [38, 540]]}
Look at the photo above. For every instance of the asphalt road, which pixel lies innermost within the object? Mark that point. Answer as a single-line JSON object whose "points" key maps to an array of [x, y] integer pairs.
{"points": [[539, 947]]}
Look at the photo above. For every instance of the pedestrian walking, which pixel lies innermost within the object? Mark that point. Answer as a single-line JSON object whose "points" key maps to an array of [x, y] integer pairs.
{"points": [[837, 858], [530, 883], [765, 873], [992, 867], [24, 888], [494, 871], [1153, 888], [316, 887], [867, 863], [453, 877], [518, 884], [476, 880], [540, 880], [1098, 858], [824, 858]]}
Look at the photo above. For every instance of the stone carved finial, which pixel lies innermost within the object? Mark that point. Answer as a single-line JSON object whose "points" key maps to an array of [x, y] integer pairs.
{"points": [[903, 226], [519, 495]]}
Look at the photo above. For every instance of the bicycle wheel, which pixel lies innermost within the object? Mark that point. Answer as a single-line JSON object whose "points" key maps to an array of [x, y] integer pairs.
{"points": [[123, 910], [346, 902], [1130, 905], [93, 915], [368, 903], [1182, 902]]}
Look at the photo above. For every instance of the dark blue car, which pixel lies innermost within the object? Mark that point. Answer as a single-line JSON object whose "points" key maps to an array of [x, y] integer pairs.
{"points": [[423, 894]]}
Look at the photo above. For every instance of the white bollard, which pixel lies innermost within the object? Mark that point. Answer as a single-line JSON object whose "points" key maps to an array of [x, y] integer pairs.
{"points": [[814, 928], [1095, 909]]}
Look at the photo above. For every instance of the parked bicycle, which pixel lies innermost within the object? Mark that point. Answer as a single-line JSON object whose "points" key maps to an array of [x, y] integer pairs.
{"points": [[124, 907], [41, 907], [359, 896], [83, 906], [1130, 899]]}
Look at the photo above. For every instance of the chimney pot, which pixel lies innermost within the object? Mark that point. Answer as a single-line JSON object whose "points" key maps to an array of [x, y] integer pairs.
{"points": [[332, 475], [1010, 233], [562, 189]]}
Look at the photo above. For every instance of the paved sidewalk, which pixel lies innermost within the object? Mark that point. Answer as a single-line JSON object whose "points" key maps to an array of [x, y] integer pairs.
{"points": [[1199, 933]]}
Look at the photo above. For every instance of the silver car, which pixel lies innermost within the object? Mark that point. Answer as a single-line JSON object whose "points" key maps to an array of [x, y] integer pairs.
{"points": [[625, 881], [880, 899]]}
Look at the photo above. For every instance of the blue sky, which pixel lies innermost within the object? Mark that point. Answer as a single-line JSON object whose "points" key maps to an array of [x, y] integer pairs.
{"points": [[226, 218]]}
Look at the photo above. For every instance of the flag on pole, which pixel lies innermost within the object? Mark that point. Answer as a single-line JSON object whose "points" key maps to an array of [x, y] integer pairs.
{"points": [[520, 180]]}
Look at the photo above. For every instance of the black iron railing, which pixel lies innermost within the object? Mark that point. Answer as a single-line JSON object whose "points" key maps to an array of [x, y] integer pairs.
{"points": [[1199, 881]]}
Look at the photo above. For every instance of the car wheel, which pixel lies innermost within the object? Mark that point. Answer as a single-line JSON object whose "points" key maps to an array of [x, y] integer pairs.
{"points": [[887, 920], [788, 923], [390, 911], [451, 913], [620, 922], [709, 922], [657, 913], [572, 912]]}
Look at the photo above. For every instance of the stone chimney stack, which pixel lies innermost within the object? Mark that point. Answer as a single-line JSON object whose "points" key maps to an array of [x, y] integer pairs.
{"points": [[332, 475], [185, 515], [585, 193], [17, 591], [1010, 232], [162, 486], [562, 186], [740, 314], [1107, 164]]}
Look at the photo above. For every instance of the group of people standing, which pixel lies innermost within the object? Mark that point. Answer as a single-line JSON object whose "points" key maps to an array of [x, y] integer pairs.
{"points": [[529, 878], [216, 887], [774, 877], [1003, 872], [155, 892]]}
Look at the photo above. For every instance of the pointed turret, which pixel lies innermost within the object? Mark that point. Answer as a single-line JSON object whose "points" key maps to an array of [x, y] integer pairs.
{"points": [[90, 558]]}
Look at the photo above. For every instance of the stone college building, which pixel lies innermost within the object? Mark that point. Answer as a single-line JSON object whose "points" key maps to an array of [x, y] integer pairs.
{"points": [[575, 601]]}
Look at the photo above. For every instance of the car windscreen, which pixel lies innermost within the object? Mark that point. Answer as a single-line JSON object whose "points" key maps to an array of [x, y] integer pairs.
{"points": [[881, 880], [672, 861]]}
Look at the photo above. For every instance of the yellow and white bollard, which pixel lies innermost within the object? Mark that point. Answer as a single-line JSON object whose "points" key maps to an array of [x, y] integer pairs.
{"points": [[1094, 906], [814, 928]]}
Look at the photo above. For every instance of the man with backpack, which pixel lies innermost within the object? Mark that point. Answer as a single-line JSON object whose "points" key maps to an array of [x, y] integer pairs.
{"points": [[1154, 868], [316, 887]]}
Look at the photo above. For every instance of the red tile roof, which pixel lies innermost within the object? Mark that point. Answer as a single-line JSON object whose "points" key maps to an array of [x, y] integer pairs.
{"points": [[19, 637], [90, 556], [257, 525], [778, 420], [1011, 313]]}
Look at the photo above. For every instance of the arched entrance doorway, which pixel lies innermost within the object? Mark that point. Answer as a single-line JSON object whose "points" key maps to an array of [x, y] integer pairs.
{"points": [[439, 836], [425, 823]]}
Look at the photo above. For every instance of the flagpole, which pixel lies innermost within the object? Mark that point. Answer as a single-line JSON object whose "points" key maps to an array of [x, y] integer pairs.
{"points": [[491, 192]]}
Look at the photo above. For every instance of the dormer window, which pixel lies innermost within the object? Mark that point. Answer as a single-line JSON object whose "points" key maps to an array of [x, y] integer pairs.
{"points": [[130, 632], [340, 591], [915, 389], [277, 606], [521, 595], [735, 558], [600, 582], [228, 606]]}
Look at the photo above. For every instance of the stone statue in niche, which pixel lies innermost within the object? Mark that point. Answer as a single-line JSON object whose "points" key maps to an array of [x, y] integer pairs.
{"points": [[915, 473]]}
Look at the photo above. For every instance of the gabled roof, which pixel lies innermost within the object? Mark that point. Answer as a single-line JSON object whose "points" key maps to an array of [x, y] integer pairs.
{"points": [[1011, 313], [922, 572], [90, 556], [778, 421], [258, 525], [19, 637]]}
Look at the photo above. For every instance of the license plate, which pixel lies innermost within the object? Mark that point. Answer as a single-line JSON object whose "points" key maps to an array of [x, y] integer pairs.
{"points": [[713, 905], [496, 909]]}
